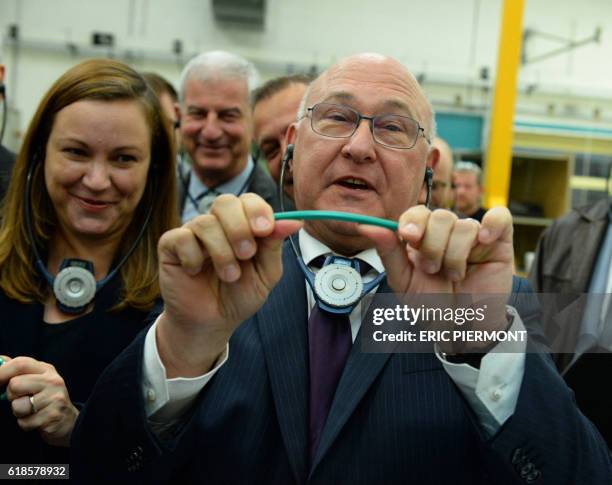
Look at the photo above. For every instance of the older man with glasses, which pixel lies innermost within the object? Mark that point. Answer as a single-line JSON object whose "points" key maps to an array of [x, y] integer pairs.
{"points": [[252, 375]]}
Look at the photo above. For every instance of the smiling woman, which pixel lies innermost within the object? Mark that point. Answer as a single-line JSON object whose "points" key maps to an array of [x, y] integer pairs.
{"points": [[93, 189], [98, 158]]}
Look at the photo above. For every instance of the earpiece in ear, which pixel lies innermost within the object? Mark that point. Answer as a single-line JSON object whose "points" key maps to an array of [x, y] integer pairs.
{"points": [[288, 154], [428, 176], [287, 157], [428, 184]]}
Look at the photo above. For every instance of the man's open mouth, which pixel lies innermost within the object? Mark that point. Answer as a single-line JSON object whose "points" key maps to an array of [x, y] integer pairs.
{"points": [[354, 183]]}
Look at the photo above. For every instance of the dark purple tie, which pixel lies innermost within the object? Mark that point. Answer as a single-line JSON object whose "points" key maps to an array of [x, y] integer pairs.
{"points": [[329, 342]]}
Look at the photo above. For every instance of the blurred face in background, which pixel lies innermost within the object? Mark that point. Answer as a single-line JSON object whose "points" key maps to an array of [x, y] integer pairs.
{"points": [[96, 166], [216, 128], [271, 118], [467, 192], [171, 111], [442, 194]]}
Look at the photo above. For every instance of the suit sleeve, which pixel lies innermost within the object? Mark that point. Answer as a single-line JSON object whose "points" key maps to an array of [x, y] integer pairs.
{"points": [[112, 439], [547, 439]]}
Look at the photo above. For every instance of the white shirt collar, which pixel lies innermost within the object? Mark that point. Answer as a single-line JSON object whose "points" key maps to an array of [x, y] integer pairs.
{"points": [[232, 186], [312, 248]]}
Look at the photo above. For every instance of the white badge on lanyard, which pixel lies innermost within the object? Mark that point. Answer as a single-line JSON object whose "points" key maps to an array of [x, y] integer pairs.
{"points": [[338, 285]]}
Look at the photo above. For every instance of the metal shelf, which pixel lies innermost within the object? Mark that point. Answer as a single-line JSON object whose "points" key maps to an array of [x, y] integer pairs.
{"points": [[532, 221]]}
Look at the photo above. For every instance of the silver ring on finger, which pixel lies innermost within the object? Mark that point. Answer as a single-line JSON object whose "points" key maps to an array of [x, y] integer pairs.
{"points": [[34, 410]]}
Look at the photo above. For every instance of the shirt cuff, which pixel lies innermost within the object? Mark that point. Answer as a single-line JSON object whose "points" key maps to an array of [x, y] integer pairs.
{"points": [[166, 400], [492, 391]]}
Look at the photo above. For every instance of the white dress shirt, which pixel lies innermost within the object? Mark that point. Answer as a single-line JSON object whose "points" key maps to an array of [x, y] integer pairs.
{"points": [[492, 391]]}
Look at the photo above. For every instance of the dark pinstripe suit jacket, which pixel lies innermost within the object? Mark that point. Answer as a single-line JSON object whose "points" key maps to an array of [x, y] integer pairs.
{"points": [[396, 418]]}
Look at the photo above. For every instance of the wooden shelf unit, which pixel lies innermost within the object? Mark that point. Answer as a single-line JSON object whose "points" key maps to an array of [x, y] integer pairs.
{"points": [[537, 180]]}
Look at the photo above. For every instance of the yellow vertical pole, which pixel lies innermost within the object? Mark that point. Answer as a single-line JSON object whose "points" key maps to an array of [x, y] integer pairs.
{"points": [[499, 152]]}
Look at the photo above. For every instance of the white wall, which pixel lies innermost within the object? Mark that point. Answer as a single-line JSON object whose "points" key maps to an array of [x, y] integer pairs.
{"points": [[585, 70], [449, 39]]}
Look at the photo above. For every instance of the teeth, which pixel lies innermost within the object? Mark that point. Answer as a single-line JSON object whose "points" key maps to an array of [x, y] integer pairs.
{"points": [[355, 181]]}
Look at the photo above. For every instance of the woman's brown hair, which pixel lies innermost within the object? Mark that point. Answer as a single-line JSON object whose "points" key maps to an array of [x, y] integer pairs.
{"points": [[101, 80]]}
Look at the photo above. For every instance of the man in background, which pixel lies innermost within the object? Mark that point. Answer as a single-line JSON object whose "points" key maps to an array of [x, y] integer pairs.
{"points": [[216, 131], [7, 158], [467, 180], [574, 259], [275, 106], [442, 194]]}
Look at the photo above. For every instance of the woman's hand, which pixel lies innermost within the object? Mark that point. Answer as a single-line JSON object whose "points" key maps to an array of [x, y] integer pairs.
{"points": [[39, 399]]}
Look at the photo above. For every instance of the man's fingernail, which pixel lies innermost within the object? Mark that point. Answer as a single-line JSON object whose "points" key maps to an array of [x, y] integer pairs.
{"points": [[485, 234], [453, 275], [231, 273], [246, 249], [431, 267], [262, 223], [193, 271], [411, 229]]}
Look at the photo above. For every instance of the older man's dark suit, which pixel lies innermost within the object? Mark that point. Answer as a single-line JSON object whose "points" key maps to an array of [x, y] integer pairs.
{"points": [[396, 418]]}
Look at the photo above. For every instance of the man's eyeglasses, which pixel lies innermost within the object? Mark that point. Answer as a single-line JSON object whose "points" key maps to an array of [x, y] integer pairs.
{"points": [[390, 130]]}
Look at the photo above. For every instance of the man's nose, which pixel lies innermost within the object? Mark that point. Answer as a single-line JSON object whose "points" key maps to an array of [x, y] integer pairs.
{"points": [[361, 145], [211, 129]]}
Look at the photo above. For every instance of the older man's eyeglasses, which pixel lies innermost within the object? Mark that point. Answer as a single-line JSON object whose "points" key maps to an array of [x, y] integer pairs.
{"points": [[390, 130]]}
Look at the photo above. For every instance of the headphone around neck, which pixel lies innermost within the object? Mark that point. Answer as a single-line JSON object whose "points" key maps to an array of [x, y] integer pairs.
{"points": [[75, 285], [336, 270]]}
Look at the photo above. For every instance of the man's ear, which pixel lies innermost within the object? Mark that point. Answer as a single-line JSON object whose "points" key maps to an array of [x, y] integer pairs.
{"points": [[291, 134], [433, 157], [290, 137], [177, 112]]}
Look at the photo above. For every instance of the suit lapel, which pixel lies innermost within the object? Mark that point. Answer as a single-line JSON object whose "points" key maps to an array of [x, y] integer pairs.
{"points": [[283, 324], [360, 372]]}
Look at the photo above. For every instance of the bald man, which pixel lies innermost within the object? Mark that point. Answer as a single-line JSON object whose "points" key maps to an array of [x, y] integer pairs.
{"points": [[252, 375]]}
